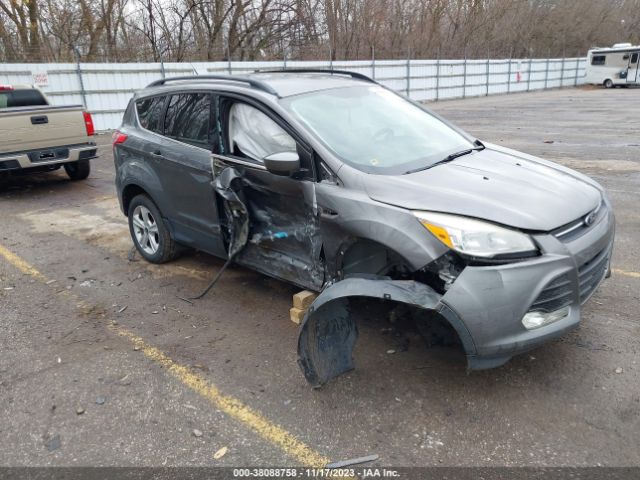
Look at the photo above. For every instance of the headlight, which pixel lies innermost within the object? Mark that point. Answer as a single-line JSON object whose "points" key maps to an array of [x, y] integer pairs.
{"points": [[475, 237]]}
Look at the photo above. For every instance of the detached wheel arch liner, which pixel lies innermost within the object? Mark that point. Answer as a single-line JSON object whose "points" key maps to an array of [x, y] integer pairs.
{"points": [[328, 332]]}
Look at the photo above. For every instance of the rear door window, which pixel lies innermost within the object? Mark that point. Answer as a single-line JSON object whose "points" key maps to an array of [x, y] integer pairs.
{"points": [[188, 119], [150, 113], [598, 60]]}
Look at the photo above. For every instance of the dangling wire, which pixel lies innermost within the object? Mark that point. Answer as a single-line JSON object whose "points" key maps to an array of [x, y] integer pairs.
{"points": [[213, 282]]}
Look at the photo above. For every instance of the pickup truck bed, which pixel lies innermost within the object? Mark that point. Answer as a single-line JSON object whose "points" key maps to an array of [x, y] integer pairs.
{"points": [[46, 137]]}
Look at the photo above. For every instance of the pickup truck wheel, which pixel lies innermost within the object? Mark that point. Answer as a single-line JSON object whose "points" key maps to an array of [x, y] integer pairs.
{"points": [[149, 232], [78, 170]]}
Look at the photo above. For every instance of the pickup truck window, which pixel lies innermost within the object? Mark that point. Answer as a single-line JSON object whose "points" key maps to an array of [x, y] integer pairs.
{"points": [[188, 119], [149, 113], [21, 98]]}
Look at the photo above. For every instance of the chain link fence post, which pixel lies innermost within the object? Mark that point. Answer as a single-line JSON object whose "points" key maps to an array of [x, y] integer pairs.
{"points": [[509, 71], [373, 63], [486, 94], [464, 75], [438, 76], [529, 74], [575, 79], [162, 73], [83, 92], [408, 72], [562, 70], [546, 71], [229, 59]]}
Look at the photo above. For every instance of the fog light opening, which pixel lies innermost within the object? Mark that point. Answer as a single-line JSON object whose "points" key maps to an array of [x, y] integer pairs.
{"points": [[539, 319]]}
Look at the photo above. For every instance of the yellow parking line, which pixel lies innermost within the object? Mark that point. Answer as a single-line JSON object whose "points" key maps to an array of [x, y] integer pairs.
{"points": [[229, 405], [20, 264], [234, 408], [626, 273]]}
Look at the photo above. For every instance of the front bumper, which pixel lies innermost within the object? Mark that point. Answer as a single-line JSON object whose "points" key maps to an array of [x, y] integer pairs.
{"points": [[491, 300]]}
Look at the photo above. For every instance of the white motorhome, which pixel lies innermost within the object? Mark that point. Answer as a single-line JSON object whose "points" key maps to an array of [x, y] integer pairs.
{"points": [[613, 66]]}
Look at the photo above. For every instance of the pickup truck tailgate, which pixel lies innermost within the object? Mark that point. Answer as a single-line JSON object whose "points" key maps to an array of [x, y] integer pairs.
{"points": [[33, 128]]}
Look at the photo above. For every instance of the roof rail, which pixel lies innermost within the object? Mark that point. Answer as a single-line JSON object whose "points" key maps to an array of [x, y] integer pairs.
{"points": [[356, 75], [227, 78]]}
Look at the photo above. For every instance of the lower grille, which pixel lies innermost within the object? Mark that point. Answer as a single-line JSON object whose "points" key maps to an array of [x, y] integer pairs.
{"points": [[559, 292], [591, 273], [555, 295]]}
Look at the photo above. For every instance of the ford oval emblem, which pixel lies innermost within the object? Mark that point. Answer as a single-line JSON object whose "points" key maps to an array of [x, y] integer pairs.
{"points": [[589, 219]]}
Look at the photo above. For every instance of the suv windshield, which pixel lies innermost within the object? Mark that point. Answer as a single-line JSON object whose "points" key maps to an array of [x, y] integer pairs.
{"points": [[375, 130]]}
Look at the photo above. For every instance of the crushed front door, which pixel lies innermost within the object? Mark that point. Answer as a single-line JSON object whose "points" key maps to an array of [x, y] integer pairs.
{"points": [[283, 239]]}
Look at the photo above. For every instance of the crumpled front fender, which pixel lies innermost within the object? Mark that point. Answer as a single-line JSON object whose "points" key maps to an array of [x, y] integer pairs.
{"points": [[328, 332]]}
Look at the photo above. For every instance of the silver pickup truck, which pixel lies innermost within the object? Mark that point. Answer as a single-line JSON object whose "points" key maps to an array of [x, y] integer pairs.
{"points": [[36, 136]]}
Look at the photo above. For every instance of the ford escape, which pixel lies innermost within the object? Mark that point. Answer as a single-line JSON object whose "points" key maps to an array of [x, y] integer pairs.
{"points": [[334, 183]]}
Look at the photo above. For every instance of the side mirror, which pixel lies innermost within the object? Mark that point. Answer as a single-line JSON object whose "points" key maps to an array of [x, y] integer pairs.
{"points": [[282, 163]]}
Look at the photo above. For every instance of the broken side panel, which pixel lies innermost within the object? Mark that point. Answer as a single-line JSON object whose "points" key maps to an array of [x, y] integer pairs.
{"points": [[227, 182], [328, 332]]}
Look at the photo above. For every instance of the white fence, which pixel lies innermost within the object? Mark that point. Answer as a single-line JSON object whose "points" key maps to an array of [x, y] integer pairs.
{"points": [[105, 88]]}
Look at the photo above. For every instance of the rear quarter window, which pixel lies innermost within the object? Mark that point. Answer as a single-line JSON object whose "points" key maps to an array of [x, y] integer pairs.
{"points": [[598, 60], [149, 113], [21, 98], [188, 119]]}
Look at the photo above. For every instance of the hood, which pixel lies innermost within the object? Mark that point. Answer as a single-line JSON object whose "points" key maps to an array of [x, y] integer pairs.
{"points": [[494, 185]]}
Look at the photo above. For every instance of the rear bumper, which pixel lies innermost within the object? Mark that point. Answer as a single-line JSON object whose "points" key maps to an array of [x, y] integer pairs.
{"points": [[49, 156], [491, 301]]}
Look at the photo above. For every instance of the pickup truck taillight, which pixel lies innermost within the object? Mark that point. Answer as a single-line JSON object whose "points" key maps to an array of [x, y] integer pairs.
{"points": [[5, 87], [118, 138], [88, 123]]}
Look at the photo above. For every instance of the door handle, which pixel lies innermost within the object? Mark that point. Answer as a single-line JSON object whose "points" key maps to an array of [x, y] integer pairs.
{"points": [[156, 153], [39, 120]]}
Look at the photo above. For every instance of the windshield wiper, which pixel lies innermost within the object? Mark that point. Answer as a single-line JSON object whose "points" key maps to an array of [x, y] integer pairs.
{"points": [[448, 158]]}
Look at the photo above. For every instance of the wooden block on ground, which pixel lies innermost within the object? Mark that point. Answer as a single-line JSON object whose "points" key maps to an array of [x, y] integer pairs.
{"points": [[303, 299], [296, 315]]}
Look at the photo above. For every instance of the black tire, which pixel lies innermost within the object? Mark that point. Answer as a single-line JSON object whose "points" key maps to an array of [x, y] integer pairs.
{"points": [[166, 248], [608, 83], [78, 170]]}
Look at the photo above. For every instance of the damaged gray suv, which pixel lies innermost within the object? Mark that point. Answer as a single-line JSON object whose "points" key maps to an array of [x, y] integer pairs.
{"points": [[334, 183]]}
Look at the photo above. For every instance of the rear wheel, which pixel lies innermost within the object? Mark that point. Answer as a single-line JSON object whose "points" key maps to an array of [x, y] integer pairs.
{"points": [[608, 83], [149, 232], [78, 170]]}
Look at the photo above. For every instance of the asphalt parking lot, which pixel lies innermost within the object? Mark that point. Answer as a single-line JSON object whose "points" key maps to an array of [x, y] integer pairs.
{"points": [[102, 364]]}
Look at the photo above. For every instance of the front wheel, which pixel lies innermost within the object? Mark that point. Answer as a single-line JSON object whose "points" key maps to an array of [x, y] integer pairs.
{"points": [[149, 232], [78, 170]]}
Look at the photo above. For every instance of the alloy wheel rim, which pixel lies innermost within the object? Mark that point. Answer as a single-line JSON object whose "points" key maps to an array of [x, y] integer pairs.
{"points": [[145, 229]]}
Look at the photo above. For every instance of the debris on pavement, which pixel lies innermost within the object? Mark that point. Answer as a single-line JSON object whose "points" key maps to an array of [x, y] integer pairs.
{"points": [[197, 433], [123, 309], [619, 370], [79, 411], [100, 400], [352, 461], [220, 453]]}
